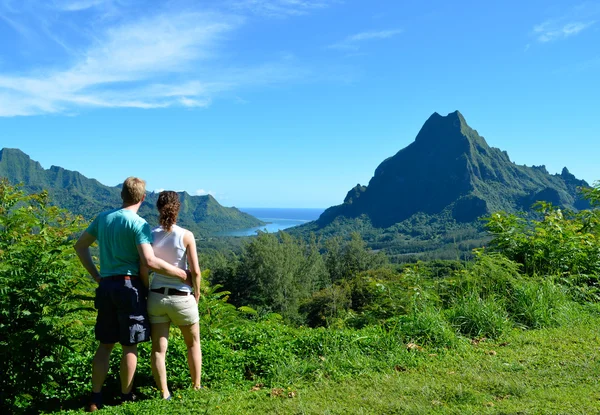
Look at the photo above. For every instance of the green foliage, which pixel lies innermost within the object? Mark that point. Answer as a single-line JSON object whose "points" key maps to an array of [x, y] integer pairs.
{"points": [[345, 259], [370, 316], [215, 312], [476, 317], [274, 273], [420, 237], [42, 298], [327, 306], [427, 327], [562, 243], [548, 371], [592, 194], [538, 304]]}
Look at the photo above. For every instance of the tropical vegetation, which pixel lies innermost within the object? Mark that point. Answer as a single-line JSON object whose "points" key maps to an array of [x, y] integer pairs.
{"points": [[312, 326]]}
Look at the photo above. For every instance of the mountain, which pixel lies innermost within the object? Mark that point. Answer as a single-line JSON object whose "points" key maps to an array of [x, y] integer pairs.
{"points": [[87, 197], [451, 167], [425, 201]]}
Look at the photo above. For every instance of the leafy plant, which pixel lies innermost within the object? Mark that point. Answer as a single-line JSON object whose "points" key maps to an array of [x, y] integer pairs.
{"points": [[561, 243], [43, 298]]}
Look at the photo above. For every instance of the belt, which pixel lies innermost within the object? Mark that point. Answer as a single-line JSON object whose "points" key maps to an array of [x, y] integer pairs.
{"points": [[119, 278], [169, 291]]}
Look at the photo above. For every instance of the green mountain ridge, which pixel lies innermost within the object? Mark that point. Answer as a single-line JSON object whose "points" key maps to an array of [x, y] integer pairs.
{"points": [[81, 195], [432, 192], [449, 165]]}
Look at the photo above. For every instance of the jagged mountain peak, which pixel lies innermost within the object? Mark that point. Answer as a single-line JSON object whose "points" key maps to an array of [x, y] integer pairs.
{"points": [[451, 129], [450, 167]]}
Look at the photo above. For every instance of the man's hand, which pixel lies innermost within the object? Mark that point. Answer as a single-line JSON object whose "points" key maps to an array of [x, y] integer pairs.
{"points": [[148, 259]]}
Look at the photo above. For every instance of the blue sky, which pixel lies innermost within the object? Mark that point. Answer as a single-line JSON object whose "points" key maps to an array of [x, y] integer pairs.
{"points": [[290, 103]]}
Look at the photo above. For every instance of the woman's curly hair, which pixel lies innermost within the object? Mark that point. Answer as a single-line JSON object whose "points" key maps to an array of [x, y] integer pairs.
{"points": [[168, 208]]}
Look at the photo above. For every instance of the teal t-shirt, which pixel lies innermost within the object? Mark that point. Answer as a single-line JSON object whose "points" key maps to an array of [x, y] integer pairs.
{"points": [[119, 232]]}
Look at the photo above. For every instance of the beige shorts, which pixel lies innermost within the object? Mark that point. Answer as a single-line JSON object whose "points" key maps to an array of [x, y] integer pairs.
{"points": [[180, 310]]}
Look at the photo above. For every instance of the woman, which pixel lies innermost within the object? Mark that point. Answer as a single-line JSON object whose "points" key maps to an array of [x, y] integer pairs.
{"points": [[171, 299]]}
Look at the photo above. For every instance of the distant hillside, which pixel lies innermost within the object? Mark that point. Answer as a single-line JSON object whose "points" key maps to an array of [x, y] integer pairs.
{"points": [[75, 192], [439, 186]]}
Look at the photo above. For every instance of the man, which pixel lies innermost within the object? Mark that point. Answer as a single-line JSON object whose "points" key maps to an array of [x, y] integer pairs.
{"points": [[125, 240]]}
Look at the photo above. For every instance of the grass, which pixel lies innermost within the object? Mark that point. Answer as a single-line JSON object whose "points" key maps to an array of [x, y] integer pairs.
{"points": [[545, 371]]}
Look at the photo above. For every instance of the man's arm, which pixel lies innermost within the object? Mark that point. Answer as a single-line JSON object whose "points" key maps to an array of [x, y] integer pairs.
{"points": [[82, 248], [145, 275], [148, 259]]}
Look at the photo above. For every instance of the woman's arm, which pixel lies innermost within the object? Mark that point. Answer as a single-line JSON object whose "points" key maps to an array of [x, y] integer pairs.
{"points": [[192, 258]]}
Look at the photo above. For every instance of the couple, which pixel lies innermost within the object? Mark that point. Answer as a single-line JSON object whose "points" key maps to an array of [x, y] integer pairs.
{"points": [[126, 256]]}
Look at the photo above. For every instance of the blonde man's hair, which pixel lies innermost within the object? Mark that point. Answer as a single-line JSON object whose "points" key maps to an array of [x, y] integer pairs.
{"points": [[133, 190]]}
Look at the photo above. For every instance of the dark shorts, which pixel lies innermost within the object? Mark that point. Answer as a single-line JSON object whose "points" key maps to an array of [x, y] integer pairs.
{"points": [[122, 316]]}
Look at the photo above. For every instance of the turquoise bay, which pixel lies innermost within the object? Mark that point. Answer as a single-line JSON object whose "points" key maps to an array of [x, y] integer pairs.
{"points": [[277, 219]]}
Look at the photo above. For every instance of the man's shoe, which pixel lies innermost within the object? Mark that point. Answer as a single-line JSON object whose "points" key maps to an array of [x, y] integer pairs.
{"points": [[92, 407], [128, 397]]}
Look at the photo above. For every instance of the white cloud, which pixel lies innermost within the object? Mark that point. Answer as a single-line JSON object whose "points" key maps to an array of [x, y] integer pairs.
{"points": [[353, 42], [202, 192], [126, 68], [192, 103], [551, 30], [167, 59]]}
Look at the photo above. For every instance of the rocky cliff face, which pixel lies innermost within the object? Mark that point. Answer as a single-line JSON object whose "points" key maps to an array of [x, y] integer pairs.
{"points": [[450, 166]]}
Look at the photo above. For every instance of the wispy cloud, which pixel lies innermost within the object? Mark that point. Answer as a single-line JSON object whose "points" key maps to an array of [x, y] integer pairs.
{"points": [[552, 30], [571, 22], [125, 68], [280, 8], [78, 5], [168, 59], [122, 53], [353, 42]]}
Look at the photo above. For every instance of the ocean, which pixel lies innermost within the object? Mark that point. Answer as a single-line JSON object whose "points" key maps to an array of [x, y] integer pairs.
{"points": [[277, 219]]}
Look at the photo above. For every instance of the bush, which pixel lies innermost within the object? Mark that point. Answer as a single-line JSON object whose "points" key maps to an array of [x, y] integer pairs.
{"points": [[327, 305], [562, 243], [43, 301]]}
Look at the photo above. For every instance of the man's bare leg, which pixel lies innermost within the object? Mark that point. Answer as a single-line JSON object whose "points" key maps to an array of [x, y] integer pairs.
{"points": [[128, 365], [100, 366]]}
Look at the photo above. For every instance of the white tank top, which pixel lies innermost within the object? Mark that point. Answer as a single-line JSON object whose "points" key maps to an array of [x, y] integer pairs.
{"points": [[169, 246]]}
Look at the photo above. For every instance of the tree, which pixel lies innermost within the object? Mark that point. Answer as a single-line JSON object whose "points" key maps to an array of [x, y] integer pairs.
{"points": [[346, 259], [275, 273]]}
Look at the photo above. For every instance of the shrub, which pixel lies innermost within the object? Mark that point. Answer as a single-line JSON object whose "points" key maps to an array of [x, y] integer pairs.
{"points": [[561, 243], [42, 300]]}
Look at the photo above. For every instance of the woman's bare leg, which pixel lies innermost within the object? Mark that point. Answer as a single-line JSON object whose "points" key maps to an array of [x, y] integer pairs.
{"points": [[160, 342], [191, 336]]}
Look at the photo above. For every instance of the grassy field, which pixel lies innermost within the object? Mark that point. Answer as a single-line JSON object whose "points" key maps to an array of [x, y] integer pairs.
{"points": [[547, 371]]}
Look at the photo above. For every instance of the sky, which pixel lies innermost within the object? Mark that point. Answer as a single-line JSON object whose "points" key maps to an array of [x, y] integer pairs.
{"points": [[291, 103]]}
